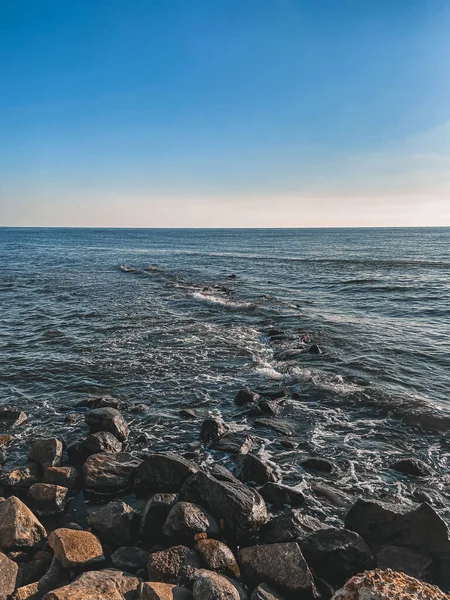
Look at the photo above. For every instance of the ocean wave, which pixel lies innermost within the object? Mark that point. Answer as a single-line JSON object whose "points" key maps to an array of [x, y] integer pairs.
{"points": [[222, 301]]}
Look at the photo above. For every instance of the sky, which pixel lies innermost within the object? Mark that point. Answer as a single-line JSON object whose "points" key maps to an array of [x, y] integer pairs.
{"points": [[224, 113]]}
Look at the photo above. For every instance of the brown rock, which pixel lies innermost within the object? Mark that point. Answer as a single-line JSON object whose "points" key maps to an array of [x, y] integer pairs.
{"points": [[209, 585], [46, 452], [217, 557], [75, 548], [186, 519], [5, 440], [108, 419], [19, 528], [27, 592], [113, 523], [64, 476], [24, 477], [8, 576], [47, 499], [152, 590], [108, 584], [109, 473], [175, 565]]}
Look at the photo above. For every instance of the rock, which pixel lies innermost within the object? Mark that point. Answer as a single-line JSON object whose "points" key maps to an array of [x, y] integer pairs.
{"points": [[187, 413], [75, 548], [5, 440], [270, 407], [274, 393], [212, 586], [8, 576], [23, 478], [186, 520], [265, 592], [279, 565], [234, 442], [242, 509], [411, 466], [278, 494], [130, 559], [63, 476], [113, 523], [26, 592], [405, 560], [102, 402], [54, 578], [252, 468], [164, 472], [101, 441], [155, 513], [19, 528], [245, 396], [276, 425], [109, 473], [318, 464], [10, 418], [222, 473], [175, 565], [289, 527], [212, 429], [331, 495], [336, 554], [217, 557], [315, 349], [108, 419], [377, 522], [108, 584], [31, 571], [47, 499], [46, 452], [287, 443], [152, 590], [387, 585]]}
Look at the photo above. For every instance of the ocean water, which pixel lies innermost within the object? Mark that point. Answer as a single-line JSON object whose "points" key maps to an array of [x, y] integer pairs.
{"points": [[153, 316]]}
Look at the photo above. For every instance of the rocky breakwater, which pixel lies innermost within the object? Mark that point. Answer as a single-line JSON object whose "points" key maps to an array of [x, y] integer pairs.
{"points": [[95, 520]]}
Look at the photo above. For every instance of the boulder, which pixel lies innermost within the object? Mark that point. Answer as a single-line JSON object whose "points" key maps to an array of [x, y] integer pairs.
{"points": [[31, 571], [246, 396], [217, 557], [331, 495], [235, 442], [175, 565], [405, 560], [75, 549], [19, 528], [108, 584], [47, 499], [24, 477], [102, 402], [222, 473], [114, 523], [252, 468], [411, 466], [109, 473], [265, 592], [130, 559], [288, 527], [101, 441], [270, 407], [152, 590], [163, 472], [212, 429], [279, 565], [8, 576], [185, 520], [278, 494], [155, 513], [209, 585], [46, 452], [242, 509], [63, 476], [108, 419], [317, 463], [10, 418]]}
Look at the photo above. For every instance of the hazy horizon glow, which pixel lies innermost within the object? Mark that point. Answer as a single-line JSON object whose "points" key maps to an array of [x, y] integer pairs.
{"points": [[281, 113]]}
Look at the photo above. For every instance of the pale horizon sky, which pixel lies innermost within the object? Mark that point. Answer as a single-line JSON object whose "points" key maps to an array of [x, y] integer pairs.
{"points": [[208, 113]]}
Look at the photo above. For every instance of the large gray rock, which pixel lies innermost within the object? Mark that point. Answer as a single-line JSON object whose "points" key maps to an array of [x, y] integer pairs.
{"points": [[234, 442], [8, 576], [217, 557], [212, 586], [186, 519], [114, 523], [241, 508], [19, 528], [412, 466], [108, 584], [175, 565], [46, 452], [290, 526], [109, 473], [108, 419], [163, 472], [75, 549]]}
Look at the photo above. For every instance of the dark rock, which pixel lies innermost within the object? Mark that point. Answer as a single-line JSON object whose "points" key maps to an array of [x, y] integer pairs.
{"points": [[11, 418], [76, 454], [274, 394], [130, 559], [287, 443], [176, 565], [54, 578], [164, 472], [242, 509], [234, 443], [64, 476], [317, 463], [109, 473], [217, 557], [265, 592], [331, 495], [8, 576], [154, 590], [31, 571], [276, 425], [279, 565], [289, 527], [277, 494], [113, 523], [46, 452], [336, 554], [19, 528], [245, 396], [108, 419], [209, 585], [103, 402], [185, 520], [47, 499], [405, 560], [412, 466], [23, 478], [101, 441], [155, 513], [222, 473], [270, 407], [107, 584], [377, 522], [252, 468], [212, 429], [188, 413], [75, 549], [232, 276], [315, 349]]}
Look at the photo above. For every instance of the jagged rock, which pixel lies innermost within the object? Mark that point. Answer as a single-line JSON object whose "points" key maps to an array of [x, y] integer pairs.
{"points": [[152, 590], [47, 499], [186, 519], [265, 592], [130, 559], [8, 576], [109, 473], [212, 429], [101, 441], [242, 509], [318, 463], [103, 402], [176, 565], [63, 476], [113, 523], [19, 528], [279, 565], [289, 527], [10, 418], [217, 557], [155, 513], [108, 419], [108, 584], [46, 452], [209, 585], [75, 548], [244, 397], [234, 442], [277, 494], [315, 349], [23, 478], [405, 560], [412, 466], [336, 554], [163, 472], [252, 468]]}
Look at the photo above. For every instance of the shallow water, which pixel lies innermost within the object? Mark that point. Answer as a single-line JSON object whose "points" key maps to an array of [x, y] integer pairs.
{"points": [[171, 330]]}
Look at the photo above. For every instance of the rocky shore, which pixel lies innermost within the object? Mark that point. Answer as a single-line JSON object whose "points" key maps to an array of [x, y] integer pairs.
{"points": [[97, 520]]}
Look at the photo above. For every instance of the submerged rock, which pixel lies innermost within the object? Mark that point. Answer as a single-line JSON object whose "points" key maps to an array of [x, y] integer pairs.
{"points": [[252, 468], [212, 429], [246, 396], [276, 425], [318, 463], [176, 565], [108, 419], [75, 548], [277, 494], [19, 528], [109, 473], [217, 557], [315, 349], [46, 452], [186, 519], [47, 499], [113, 523], [411, 466], [108, 584], [103, 402], [163, 472]]}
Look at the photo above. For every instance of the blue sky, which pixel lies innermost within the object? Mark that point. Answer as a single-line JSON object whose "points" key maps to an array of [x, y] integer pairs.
{"points": [[225, 113]]}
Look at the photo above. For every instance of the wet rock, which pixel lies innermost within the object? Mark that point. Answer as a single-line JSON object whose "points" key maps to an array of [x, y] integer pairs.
{"points": [[217, 557], [252, 468], [274, 393], [270, 407], [279, 565], [212, 586], [5, 440], [103, 402], [130, 559], [23, 478], [186, 520], [411, 466], [46, 452], [336, 554], [242, 509], [188, 413], [175, 565], [10, 418], [114, 523], [101, 441], [63, 476], [287, 443], [75, 548], [155, 513], [222, 473], [163, 472], [8, 576], [47, 499], [212, 429], [315, 349], [107, 584], [276, 425], [278, 494], [152, 590], [234, 443], [108, 419], [245, 396], [331, 495], [265, 592], [109, 473], [19, 528], [318, 463], [405, 560], [289, 527]]}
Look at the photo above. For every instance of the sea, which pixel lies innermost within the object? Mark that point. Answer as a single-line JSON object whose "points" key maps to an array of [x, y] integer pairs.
{"points": [[172, 319]]}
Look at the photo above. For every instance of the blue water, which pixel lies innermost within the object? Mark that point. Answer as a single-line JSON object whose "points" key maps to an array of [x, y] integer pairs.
{"points": [[183, 334]]}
